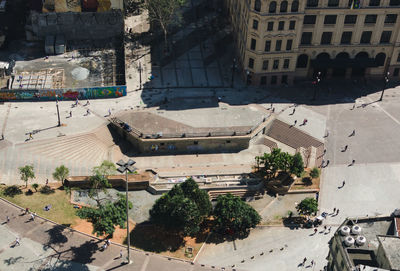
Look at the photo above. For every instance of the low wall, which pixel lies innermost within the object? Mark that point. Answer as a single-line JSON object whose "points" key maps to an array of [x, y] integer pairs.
{"points": [[63, 94], [184, 145], [138, 181]]}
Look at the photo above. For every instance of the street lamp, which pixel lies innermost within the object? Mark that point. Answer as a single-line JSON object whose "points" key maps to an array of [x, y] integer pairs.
{"points": [[233, 71], [127, 167], [385, 84], [58, 111], [316, 83], [140, 75]]}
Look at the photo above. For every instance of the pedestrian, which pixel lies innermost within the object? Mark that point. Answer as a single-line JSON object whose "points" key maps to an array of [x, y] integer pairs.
{"points": [[7, 219], [87, 112], [273, 110], [2, 136], [271, 106], [315, 230], [109, 112], [87, 103], [27, 210], [304, 260], [327, 133], [30, 136], [294, 110], [329, 229], [295, 122], [352, 162], [305, 121], [327, 163], [353, 133], [70, 114], [312, 262], [337, 211], [47, 182], [108, 242], [120, 254], [32, 217], [324, 151], [345, 148], [325, 227], [17, 241], [334, 210], [354, 105], [344, 182], [77, 101], [104, 247]]}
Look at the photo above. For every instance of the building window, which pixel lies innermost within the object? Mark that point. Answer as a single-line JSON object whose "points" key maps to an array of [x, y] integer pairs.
{"points": [[396, 72], [253, 44], [306, 38], [278, 45], [267, 46], [286, 63], [385, 37], [346, 37], [272, 7], [390, 18], [394, 3], [374, 3], [251, 63], [330, 19], [326, 38], [289, 45], [274, 80], [398, 57], [270, 26], [366, 37], [333, 3], [276, 64], [370, 19], [380, 59], [257, 5], [263, 80], [255, 24], [312, 3], [309, 19], [295, 6], [284, 6], [265, 65], [350, 19], [302, 61], [284, 79], [292, 25], [281, 25]]}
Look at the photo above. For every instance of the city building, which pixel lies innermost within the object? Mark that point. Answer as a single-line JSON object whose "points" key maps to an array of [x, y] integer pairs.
{"points": [[278, 42], [366, 244]]}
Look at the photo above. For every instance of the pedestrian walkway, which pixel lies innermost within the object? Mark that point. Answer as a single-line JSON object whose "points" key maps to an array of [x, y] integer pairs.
{"points": [[48, 246]]}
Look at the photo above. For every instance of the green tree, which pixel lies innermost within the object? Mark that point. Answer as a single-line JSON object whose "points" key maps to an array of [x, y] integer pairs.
{"points": [[106, 216], [35, 186], [182, 209], [61, 173], [296, 165], [314, 173], [163, 12], [99, 181], [233, 214], [27, 173], [307, 206]]}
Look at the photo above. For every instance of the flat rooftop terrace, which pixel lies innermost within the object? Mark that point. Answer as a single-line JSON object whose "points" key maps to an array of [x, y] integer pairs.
{"points": [[70, 70], [218, 121]]}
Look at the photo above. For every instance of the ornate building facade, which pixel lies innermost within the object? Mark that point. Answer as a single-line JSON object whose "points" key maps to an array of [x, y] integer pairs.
{"points": [[278, 42]]}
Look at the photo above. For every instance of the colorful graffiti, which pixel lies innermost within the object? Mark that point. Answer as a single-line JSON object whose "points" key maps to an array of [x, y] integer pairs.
{"points": [[64, 94]]}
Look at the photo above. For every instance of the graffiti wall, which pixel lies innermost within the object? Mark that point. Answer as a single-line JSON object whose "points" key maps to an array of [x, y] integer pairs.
{"points": [[63, 94]]}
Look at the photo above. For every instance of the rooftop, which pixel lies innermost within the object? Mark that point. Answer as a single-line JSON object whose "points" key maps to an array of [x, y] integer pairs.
{"points": [[391, 246]]}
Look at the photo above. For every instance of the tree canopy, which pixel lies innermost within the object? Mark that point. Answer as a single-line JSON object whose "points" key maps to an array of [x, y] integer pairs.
{"points": [[231, 214], [26, 173], [61, 173], [182, 209], [280, 161], [106, 216], [307, 206], [99, 181]]}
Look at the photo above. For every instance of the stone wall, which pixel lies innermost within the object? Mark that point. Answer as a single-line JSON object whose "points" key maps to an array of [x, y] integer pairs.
{"points": [[76, 25]]}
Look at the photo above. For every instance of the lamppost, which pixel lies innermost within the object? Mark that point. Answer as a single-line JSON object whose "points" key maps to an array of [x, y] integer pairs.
{"points": [[385, 84], [127, 167], [233, 71], [58, 111], [140, 75], [316, 83]]}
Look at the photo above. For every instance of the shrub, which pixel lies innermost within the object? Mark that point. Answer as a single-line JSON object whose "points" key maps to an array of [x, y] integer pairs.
{"points": [[314, 173], [12, 190], [46, 190], [307, 181], [35, 186], [29, 192]]}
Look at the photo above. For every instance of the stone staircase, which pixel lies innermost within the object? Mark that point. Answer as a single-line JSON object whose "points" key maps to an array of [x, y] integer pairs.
{"points": [[241, 193], [267, 142]]}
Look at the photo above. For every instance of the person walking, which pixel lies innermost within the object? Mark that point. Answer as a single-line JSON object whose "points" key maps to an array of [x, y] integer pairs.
{"points": [[7, 219], [295, 122], [327, 163], [352, 162], [345, 148], [312, 263], [70, 114], [337, 211], [32, 217], [305, 121], [47, 182], [17, 241], [334, 210], [315, 231], [344, 182], [87, 112], [294, 110], [30, 136], [120, 254], [109, 112], [304, 260], [353, 133]]}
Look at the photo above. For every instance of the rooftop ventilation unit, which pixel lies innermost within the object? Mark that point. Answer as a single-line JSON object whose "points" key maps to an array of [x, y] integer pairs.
{"points": [[361, 240], [356, 230], [349, 241], [345, 230]]}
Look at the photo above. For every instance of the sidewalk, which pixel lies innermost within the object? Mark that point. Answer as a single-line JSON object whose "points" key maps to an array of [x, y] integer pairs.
{"points": [[48, 246]]}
